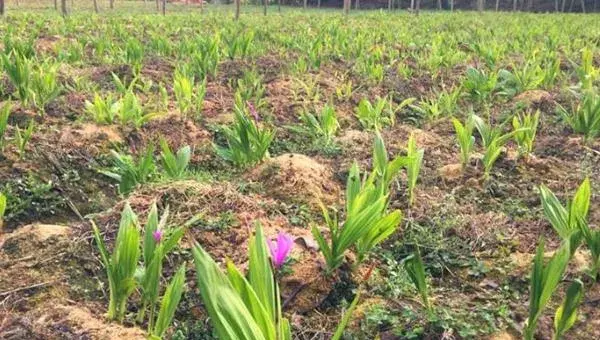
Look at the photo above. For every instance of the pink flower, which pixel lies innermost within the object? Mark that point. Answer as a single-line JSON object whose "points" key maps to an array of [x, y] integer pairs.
{"points": [[253, 111], [280, 249], [158, 234]]}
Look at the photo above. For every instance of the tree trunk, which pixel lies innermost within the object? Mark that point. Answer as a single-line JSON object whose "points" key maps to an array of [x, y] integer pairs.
{"points": [[439, 4], [305, 5], [497, 5], [451, 5], [412, 5], [583, 6], [265, 4], [279, 5], [96, 6], [357, 4], [164, 7], [56, 5], [112, 4], [63, 7], [480, 5], [562, 7], [346, 7], [157, 5], [389, 5], [571, 6], [1, 7], [237, 10], [318, 3], [418, 7], [514, 5]]}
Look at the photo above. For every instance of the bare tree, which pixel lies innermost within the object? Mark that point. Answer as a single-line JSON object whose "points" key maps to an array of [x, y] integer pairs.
{"points": [[63, 7]]}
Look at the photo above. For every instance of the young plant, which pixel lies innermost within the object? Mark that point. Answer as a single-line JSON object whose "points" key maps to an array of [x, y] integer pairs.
{"points": [[415, 268], [493, 141], [122, 264], [4, 113], [175, 165], [131, 111], [479, 85], [248, 142], [45, 86], [566, 315], [130, 173], [240, 308], [158, 241], [585, 117], [168, 304], [465, 138], [375, 117], [525, 127], [134, 55], [366, 224], [544, 280], [324, 126], [413, 168], [565, 220], [103, 111], [23, 137], [18, 68], [183, 87]]}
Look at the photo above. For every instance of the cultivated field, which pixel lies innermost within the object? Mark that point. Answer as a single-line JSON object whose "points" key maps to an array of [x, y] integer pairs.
{"points": [[404, 171]]}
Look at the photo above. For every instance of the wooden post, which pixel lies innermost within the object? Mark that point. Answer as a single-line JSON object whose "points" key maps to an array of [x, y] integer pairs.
{"points": [[237, 10], [63, 7]]}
